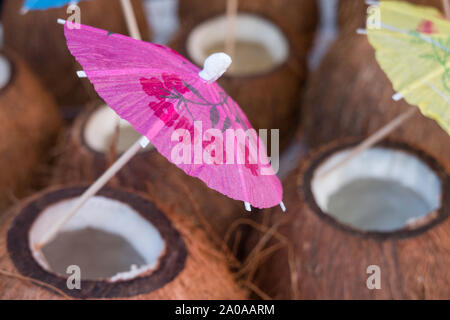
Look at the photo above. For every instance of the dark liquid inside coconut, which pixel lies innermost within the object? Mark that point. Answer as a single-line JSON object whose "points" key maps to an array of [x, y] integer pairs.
{"points": [[250, 57], [377, 205], [99, 254]]}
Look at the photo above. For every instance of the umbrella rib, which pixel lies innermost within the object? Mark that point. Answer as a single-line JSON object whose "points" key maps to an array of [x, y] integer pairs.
{"points": [[239, 167], [431, 75], [408, 33], [402, 12], [426, 79], [434, 115], [121, 72], [254, 143], [233, 124], [439, 92]]}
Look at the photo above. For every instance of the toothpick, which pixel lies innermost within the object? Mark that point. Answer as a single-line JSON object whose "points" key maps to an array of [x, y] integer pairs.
{"points": [[372, 140], [130, 18], [230, 42], [120, 163], [92, 190]]}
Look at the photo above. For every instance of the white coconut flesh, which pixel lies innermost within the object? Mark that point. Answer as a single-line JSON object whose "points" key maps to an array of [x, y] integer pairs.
{"points": [[260, 45], [106, 239], [5, 71], [100, 131], [380, 190]]}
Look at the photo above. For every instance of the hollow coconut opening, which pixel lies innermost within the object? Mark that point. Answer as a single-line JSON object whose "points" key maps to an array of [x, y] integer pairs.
{"points": [[106, 239], [122, 243], [260, 45], [5, 71], [100, 131], [381, 190]]}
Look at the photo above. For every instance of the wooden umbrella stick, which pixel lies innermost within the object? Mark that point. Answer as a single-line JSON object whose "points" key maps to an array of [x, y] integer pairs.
{"points": [[230, 41], [92, 190], [372, 140], [130, 18], [446, 5]]}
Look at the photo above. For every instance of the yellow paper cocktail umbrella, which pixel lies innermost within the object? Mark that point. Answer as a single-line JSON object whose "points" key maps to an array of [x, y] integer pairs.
{"points": [[412, 46]]}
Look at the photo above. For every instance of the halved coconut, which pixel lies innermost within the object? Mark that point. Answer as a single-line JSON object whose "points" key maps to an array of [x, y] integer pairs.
{"points": [[387, 210], [382, 189], [119, 245]]}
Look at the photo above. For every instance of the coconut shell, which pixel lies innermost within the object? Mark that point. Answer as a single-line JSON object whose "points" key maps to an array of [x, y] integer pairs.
{"points": [[153, 174], [29, 124], [329, 260], [298, 19], [31, 34], [350, 96], [270, 99], [189, 257]]}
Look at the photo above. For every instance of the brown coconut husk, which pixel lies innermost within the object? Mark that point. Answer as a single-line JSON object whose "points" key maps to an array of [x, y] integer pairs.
{"points": [[153, 174], [350, 96], [326, 259], [31, 34], [269, 99], [189, 268], [351, 15], [29, 124]]}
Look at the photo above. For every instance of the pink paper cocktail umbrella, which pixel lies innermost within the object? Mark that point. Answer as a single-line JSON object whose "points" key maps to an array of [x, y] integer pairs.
{"points": [[181, 110]]}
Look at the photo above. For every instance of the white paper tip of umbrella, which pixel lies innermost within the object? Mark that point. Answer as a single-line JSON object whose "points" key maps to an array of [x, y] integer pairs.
{"points": [[144, 142], [81, 74], [248, 207], [61, 21], [361, 31], [283, 207], [215, 66], [397, 97]]}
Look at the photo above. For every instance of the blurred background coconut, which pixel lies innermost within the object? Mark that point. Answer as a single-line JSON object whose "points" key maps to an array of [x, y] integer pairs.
{"points": [[39, 40], [29, 126]]}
